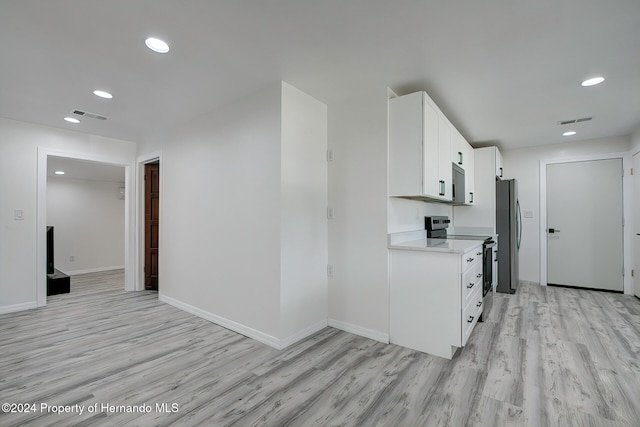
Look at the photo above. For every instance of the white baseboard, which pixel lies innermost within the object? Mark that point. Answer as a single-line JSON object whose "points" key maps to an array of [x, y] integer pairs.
{"points": [[18, 307], [225, 323], [267, 339], [292, 339], [94, 270], [359, 330]]}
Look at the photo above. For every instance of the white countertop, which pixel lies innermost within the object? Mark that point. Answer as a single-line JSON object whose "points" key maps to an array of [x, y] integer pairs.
{"points": [[438, 245], [416, 241]]}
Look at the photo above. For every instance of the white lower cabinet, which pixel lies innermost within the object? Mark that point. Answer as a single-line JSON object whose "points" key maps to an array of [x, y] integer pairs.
{"points": [[436, 299]]}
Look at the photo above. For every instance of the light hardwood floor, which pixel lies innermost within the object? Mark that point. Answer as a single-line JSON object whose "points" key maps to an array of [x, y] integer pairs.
{"points": [[544, 357]]}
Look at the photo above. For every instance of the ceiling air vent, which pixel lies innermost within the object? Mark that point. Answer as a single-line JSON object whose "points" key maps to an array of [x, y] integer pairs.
{"points": [[88, 114], [570, 122]]}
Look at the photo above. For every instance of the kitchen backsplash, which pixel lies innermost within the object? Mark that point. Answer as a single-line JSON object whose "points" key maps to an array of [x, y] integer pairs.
{"points": [[408, 215]]}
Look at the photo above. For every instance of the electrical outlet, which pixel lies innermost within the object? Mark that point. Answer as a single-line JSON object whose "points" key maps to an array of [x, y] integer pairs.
{"points": [[329, 155], [528, 214], [329, 213], [18, 214], [330, 270]]}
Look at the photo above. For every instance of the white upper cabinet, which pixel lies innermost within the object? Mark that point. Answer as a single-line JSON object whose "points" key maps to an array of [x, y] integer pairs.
{"points": [[421, 149], [462, 154], [458, 155], [412, 132], [498, 162], [414, 149], [482, 212], [445, 174], [469, 174]]}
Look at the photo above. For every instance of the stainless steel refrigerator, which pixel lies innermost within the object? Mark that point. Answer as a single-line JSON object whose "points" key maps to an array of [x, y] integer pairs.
{"points": [[509, 229]]}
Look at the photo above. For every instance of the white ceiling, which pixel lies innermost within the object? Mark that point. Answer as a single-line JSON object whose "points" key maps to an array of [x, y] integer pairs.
{"points": [[84, 169], [503, 71]]}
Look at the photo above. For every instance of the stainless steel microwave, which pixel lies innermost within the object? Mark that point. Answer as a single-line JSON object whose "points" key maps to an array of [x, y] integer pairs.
{"points": [[458, 184]]}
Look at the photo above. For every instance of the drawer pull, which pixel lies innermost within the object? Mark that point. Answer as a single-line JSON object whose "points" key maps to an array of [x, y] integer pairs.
{"points": [[469, 259], [470, 285], [479, 275], [479, 304], [470, 319]]}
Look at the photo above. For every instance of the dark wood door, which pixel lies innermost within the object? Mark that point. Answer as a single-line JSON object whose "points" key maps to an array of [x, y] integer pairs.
{"points": [[151, 229]]}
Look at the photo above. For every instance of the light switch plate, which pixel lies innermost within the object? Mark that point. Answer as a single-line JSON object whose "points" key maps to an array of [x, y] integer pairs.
{"points": [[18, 214]]}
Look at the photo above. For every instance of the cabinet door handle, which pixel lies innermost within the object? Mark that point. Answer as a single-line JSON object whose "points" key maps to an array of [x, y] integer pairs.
{"points": [[471, 197], [478, 253], [442, 189], [479, 304], [479, 275], [470, 285], [469, 259], [500, 172], [459, 157], [470, 319]]}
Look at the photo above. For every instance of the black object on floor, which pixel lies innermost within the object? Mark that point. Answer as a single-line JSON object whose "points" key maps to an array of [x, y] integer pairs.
{"points": [[58, 283]]}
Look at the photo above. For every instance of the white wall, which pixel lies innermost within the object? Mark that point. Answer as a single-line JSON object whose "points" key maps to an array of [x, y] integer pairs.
{"points": [[358, 292], [88, 219], [303, 224], [635, 140], [19, 143], [220, 215], [243, 226], [524, 165]]}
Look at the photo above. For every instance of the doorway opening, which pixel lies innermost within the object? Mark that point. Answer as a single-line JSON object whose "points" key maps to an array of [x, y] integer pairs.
{"points": [[85, 207], [72, 254]]}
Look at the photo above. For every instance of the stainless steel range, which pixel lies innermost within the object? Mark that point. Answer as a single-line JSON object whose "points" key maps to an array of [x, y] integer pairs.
{"points": [[436, 227]]}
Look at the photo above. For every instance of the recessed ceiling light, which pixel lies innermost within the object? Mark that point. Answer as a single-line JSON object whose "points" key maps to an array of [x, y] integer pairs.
{"points": [[157, 45], [592, 81], [569, 133], [102, 94], [72, 120], [59, 172]]}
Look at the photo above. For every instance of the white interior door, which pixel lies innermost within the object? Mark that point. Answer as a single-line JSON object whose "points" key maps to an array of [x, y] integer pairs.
{"points": [[636, 224], [584, 224]]}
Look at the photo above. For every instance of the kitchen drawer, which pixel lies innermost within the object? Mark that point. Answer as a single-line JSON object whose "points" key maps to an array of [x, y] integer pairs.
{"points": [[471, 282], [472, 258], [471, 314]]}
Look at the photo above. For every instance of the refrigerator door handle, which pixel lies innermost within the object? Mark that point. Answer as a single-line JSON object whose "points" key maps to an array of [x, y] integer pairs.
{"points": [[518, 222]]}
